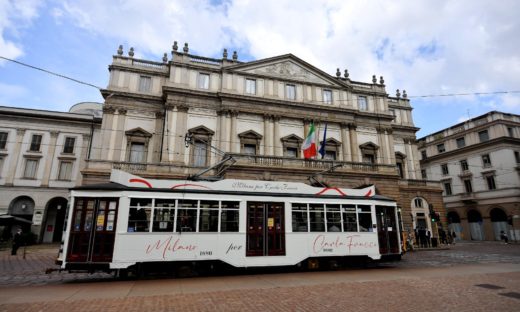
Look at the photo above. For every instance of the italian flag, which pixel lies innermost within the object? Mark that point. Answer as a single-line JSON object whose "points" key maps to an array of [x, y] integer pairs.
{"points": [[309, 145]]}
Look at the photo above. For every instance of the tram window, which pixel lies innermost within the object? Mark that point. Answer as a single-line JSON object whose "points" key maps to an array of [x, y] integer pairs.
{"points": [[365, 218], [349, 218], [317, 218], [229, 216], [300, 222], [139, 214], [333, 218], [163, 215], [208, 220], [187, 216]]}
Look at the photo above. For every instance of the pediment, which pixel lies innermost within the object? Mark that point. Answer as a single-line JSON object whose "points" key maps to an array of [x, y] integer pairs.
{"points": [[250, 134], [287, 67], [369, 146], [332, 141], [291, 138], [201, 130], [138, 132]]}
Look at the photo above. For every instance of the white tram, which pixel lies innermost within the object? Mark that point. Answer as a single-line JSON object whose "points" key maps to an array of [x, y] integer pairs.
{"points": [[132, 221]]}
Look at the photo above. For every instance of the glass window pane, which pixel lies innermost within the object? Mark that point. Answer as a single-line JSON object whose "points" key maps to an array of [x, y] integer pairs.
{"points": [[333, 218], [229, 220], [139, 214], [136, 152], [317, 218], [208, 220], [300, 222]]}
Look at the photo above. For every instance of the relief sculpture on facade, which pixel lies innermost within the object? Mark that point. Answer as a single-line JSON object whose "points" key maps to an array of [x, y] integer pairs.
{"points": [[288, 70]]}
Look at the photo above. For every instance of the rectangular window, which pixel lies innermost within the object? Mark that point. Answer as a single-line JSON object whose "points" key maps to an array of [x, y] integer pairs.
{"points": [[327, 96], [250, 149], [300, 222], [400, 170], [250, 86], [461, 142], [3, 140], [464, 165], [423, 155], [199, 154], [349, 218], [333, 218], [467, 186], [418, 202], [447, 188], [68, 147], [139, 215], [229, 216], [65, 172], [365, 218], [291, 152], [445, 170], [186, 216], [31, 166], [163, 215], [1, 166], [208, 219], [36, 141], [392, 112], [145, 84], [441, 148], [362, 103], [491, 182], [483, 136], [369, 159], [317, 218], [423, 174], [330, 155], [486, 161], [137, 152], [290, 92], [203, 82], [517, 157], [510, 132]]}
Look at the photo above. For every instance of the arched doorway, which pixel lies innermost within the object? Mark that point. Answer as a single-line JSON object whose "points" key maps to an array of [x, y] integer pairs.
{"points": [[454, 224], [54, 220], [475, 225], [21, 207], [499, 221]]}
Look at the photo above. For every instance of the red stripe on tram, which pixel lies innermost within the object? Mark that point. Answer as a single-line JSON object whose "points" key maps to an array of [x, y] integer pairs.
{"points": [[331, 188], [141, 181], [181, 185]]}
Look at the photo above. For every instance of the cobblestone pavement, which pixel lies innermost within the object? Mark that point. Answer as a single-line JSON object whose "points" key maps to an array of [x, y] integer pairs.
{"points": [[426, 280]]}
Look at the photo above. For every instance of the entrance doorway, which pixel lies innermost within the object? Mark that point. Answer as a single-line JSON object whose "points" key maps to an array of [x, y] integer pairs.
{"points": [[93, 230], [387, 230], [499, 221], [475, 225], [265, 229], [54, 220]]}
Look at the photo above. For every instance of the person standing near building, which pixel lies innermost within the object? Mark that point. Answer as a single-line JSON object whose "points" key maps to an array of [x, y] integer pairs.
{"points": [[17, 242]]}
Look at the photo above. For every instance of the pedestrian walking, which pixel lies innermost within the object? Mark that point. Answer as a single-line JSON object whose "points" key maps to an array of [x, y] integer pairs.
{"points": [[17, 242], [453, 236], [503, 236], [428, 238]]}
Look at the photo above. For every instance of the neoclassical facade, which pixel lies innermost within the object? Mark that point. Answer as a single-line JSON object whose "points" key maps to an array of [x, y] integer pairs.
{"points": [[477, 163], [197, 117], [41, 153]]}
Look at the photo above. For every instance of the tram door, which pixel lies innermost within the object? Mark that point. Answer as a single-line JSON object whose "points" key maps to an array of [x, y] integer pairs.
{"points": [[92, 230], [265, 229], [387, 230]]}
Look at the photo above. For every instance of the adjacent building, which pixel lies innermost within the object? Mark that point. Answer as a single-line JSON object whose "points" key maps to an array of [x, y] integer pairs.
{"points": [[477, 163], [41, 153]]}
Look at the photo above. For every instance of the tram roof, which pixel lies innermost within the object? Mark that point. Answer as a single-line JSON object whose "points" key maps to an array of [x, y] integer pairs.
{"points": [[113, 186]]}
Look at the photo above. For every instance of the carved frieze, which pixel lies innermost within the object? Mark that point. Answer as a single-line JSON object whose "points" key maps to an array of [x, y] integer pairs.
{"points": [[288, 70]]}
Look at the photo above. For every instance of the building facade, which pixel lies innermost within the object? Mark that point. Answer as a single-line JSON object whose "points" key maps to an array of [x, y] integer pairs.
{"points": [[477, 164], [198, 117], [41, 153]]}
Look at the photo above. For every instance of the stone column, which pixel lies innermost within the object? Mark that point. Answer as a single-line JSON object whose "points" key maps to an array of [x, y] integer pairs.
{"points": [[117, 146], [158, 141], [106, 131], [180, 151], [224, 132], [278, 150], [382, 151], [168, 134], [14, 158], [47, 169], [354, 148], [390, 144], [268, 135], [345, 143], [233, 139], [410, 158]]}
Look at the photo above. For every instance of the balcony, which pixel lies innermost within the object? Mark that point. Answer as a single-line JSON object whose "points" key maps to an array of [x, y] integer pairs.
{"points": [[299, 163]]}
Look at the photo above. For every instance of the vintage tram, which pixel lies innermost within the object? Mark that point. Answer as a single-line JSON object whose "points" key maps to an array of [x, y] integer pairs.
{"points": [[133, 222]]}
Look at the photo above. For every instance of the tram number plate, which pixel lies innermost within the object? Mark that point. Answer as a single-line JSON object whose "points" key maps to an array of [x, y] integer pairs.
{"points": [[206, 253]]}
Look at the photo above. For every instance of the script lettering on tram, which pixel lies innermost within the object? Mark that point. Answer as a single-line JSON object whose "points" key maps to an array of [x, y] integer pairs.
{"points": [[169, 246], [349, 242], [233, 247], [263, 187]]}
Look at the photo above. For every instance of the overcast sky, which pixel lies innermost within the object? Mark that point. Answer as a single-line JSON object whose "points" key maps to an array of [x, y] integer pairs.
{"points": [[425, 47]]}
